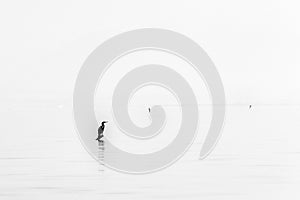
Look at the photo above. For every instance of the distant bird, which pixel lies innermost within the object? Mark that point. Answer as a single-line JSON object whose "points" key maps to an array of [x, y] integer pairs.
{"points": [[149, 109], [101, 130], [250, 106]]}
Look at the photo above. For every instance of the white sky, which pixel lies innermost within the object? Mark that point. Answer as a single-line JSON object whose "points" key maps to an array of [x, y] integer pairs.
{"points": [[254, 44]]}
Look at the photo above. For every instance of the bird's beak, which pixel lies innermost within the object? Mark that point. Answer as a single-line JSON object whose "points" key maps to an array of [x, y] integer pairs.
{"points": [[105, 121]]}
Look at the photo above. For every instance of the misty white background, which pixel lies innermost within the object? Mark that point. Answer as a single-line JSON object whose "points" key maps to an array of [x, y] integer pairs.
{"points": [[255, 47]]}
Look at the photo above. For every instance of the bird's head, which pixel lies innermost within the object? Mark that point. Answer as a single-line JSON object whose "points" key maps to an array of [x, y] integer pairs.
{"points": [[104, 122]]}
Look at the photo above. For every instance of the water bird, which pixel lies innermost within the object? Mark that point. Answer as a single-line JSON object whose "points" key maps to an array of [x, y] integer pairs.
{"points": [[101, 130]]}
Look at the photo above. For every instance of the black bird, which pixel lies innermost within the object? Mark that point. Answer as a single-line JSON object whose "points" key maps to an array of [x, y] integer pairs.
{"points": [[250, 106], [101, 130]]}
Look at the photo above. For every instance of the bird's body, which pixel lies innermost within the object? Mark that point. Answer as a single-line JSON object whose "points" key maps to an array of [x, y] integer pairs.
{"points": [[101, 130]]}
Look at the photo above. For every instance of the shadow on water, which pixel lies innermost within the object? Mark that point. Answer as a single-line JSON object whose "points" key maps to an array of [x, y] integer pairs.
{"points": [[101, 149]]}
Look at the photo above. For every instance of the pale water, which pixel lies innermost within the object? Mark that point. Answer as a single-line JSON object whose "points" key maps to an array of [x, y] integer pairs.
{"points": [[258, 157]]}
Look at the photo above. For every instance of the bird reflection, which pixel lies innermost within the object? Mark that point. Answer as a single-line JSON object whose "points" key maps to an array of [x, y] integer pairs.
{"points": [[101, 149]]}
